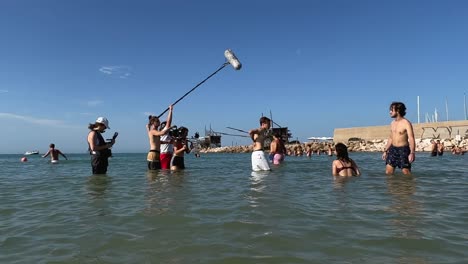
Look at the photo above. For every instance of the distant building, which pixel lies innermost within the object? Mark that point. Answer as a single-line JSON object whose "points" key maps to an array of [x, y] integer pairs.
{"points": [[284, 133], [448, 129], [211, 139]]}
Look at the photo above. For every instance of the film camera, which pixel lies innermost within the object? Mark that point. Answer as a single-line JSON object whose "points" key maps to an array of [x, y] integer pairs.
{"points": [[178, 133]]}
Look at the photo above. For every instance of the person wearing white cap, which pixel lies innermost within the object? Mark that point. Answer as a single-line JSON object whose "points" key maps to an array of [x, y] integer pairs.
{"points": [[99, 149]]}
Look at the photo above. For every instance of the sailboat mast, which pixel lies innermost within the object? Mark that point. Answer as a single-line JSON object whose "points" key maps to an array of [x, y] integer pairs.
{"points": [[446, 108], [418, 109], [464, 97]]}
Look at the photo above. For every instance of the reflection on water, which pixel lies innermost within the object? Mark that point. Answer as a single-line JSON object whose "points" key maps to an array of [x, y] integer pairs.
{"points": [[163, 185], [257, 187], [97, 185], [339, 182], [258, 176], [405, 208], [219, 211]]}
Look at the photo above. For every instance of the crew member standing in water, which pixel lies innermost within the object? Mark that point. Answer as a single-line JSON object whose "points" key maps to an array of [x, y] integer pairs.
{"points": [[167, 149], [277, 149], [258, 135], [98, 148], [154, 136], [180, 147]]}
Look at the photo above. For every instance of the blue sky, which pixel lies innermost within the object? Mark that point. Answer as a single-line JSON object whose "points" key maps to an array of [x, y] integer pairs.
{"points": [[316, 65]]}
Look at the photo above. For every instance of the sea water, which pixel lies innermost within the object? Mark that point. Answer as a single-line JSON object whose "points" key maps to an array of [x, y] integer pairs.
{"points": [[219, 211]]}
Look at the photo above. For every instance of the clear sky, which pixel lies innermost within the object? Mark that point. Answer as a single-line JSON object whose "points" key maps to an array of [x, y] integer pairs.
{"points": [[316, 65]]}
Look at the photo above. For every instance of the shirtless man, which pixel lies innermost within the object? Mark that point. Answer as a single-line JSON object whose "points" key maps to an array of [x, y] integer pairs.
{"points": [[277, 150], [400, 148], [54, 154], [154, 136], [258, 135]]}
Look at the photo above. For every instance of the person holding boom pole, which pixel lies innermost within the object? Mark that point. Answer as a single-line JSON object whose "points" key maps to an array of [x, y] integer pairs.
{"points": [[154, 136]]}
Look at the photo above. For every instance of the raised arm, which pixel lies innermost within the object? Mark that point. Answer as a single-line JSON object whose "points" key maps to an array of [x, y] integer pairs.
{"points": [[252, 133], [47, 154], [60, 152], [169, 117]]}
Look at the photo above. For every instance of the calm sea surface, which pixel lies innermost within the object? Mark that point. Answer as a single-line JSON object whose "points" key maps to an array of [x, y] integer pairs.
{"points": [[218, 211]]}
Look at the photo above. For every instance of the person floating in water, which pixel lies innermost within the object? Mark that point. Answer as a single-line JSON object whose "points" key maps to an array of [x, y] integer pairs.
{"points": [[401, 145], [343, 165], [54, 154], [258, 135]]}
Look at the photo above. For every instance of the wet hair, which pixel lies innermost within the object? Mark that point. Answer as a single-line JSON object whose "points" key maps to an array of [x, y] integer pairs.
{"points": [[52, 145], [399, 107], [342, 152], [152, 120], [264, 120]]}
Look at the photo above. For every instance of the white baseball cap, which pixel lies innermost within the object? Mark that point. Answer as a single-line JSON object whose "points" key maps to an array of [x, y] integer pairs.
{"points": [[103, 120]]}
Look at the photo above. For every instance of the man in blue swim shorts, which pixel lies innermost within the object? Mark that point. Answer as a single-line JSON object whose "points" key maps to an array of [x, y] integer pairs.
{"points": [[400, 148]]}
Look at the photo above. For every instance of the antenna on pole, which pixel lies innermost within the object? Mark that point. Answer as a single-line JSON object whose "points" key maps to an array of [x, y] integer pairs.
{"points": [[271, 118], [418, 109], [464, 97], [446, 108]]}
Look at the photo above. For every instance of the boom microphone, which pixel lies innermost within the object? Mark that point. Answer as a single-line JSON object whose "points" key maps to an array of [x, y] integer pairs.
{"points": [[232, 59]]}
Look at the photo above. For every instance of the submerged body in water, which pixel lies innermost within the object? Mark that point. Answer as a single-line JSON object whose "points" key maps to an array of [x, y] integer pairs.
{"points": [[219, 211]]}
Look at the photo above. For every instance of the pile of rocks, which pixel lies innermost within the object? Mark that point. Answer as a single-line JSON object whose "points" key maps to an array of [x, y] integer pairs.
{"points": [[355, 146]]}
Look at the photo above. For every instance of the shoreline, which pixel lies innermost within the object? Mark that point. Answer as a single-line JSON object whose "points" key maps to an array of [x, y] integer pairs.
{"points": [[377, 145]]}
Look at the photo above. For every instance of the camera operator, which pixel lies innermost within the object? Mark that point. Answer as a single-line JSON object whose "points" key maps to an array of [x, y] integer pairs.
{"points": [[180, 147]]}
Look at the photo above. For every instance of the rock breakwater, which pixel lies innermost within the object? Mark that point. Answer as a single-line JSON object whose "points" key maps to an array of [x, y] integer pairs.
{"points": [[377, 145]]}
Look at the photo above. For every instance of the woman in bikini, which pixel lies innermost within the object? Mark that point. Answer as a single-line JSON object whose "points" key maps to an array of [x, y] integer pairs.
{"points": [[343, 165]]}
